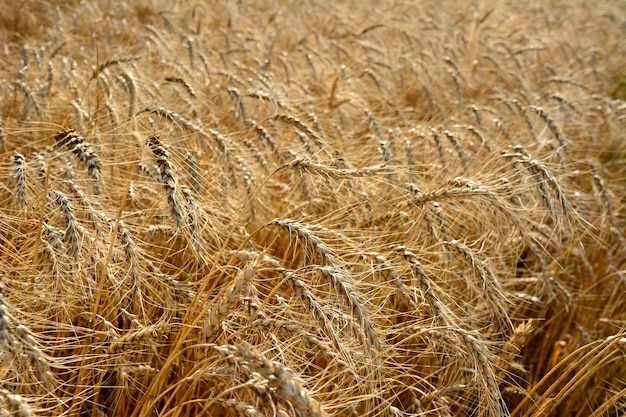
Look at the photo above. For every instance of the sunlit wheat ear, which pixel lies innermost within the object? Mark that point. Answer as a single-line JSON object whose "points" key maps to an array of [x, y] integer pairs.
{"points": [[168, 178], [304, 139], [410, 160], [374, 124], [242, 409], [73, 231], [305, 165], [491, 401], [31, 98], [260, 158], [490, 286], [504, 130], [267, 139], [484, 143], [546, 183], [131, 88], [19, 175], [285, 389], [81, 115], [110, 63], [386, 269], [227, 302], [248, 182], [301, 289], [187, 125], [298, 124], [289, 328], [14, 404], [440, 149], [607, 200], [95, 217], [565, 104], [555, 129], [82, 150], [194, 172], [182, 83], [340, 283], [112, 115], [459, 150], [18, 340], [233, 92], [193, 212], [431, 295], [263, 96], [3, 139]]}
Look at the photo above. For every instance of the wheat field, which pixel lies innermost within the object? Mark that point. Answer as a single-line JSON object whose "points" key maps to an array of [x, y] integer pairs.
{"points": [[307, 208]]}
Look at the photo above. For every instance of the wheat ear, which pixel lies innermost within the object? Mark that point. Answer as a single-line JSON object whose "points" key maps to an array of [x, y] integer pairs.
{"points": [[19, 171], [168, 178], [284, 387], [79, 147]]}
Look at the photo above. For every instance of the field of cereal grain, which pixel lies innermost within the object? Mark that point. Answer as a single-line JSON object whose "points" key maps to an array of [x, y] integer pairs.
{"points": [[309, 208]]}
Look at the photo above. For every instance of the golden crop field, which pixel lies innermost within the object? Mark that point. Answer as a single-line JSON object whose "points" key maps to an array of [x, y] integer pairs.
{"points": [[310, 208]]}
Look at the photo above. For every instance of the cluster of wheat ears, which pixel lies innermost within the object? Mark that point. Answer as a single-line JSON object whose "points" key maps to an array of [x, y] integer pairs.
{"points": [[312, 209]]}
